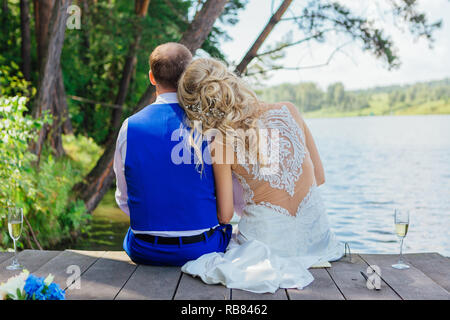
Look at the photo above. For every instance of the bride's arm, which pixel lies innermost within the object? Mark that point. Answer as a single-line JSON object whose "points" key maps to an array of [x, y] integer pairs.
{"points": [[319, 172], [224, 192]]}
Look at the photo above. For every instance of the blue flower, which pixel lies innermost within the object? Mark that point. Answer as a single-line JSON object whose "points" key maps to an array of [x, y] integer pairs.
{"points": [[37, 289], [34, 287], [54, 292]]}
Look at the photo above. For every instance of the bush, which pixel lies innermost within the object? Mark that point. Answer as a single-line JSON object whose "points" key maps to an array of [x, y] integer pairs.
{"points": [[43, 192]]}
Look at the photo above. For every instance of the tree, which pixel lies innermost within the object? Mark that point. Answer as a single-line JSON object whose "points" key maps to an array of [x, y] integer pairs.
{"points": [[97, 182], [319, 18], [45, 101], [43, 12]]}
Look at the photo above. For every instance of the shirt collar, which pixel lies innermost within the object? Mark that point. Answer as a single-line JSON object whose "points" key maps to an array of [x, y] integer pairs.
{"points": [[167, 98]]}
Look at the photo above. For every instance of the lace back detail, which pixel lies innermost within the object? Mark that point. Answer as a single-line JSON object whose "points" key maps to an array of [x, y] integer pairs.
{"points": [[291, 146], [292, 152]]}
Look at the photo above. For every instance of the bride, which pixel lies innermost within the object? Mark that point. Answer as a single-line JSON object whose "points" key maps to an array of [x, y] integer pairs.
{"points": [[268, 153]]}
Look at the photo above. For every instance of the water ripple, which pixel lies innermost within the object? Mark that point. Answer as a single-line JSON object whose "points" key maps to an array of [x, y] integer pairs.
{"points": [[374, 165]]}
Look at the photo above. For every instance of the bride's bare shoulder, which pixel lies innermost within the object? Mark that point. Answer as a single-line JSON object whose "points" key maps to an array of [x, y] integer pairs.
{"points": [[278, 105]]}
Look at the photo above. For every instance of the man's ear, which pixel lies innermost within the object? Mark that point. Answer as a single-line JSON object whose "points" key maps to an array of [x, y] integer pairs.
{"points": [[152, 78]]}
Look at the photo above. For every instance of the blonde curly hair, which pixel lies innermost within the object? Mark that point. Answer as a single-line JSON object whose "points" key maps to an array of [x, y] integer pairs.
{"points": [[218, 99]]}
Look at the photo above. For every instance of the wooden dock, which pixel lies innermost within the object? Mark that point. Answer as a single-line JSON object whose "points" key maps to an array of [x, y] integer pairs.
{"points": [[109, 275]]}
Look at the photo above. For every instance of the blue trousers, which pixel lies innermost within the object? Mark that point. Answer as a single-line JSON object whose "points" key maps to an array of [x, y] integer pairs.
{"points": [[143, 252]]}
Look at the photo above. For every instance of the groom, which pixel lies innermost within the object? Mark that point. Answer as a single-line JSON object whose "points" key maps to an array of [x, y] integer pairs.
{"points": [[172, 207]]}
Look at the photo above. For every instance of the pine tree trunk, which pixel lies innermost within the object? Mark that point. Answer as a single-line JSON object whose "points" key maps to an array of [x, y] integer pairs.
{"points": [[49, 74], [42, 16], [251, 54], [99, 180], [61, 107], [44, 9]]}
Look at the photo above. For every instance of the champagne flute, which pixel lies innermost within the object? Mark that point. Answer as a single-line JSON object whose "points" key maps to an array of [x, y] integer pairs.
{"points": [[15, 221], [401, 220]]}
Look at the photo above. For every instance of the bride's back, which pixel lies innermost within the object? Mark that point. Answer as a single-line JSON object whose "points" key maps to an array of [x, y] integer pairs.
{"points": [[285, 189]]}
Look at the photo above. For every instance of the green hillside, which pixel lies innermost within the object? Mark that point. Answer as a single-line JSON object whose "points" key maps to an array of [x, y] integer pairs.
{"points": [[431, 97]]}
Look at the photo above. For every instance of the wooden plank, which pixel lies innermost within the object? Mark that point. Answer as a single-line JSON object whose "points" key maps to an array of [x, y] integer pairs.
{"points": [[191, 288], [347, 277], [410, 283], [58, 266], [434, 265], [237, 294], [5, 256], [322, 288], [104, 279], [151, 283], [30, 259]]}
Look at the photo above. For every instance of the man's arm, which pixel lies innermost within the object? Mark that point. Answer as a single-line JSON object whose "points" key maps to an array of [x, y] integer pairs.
{"points": [[119, 169]]}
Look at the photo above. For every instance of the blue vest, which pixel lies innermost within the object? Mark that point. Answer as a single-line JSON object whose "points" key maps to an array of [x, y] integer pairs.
{"points": [[164, 194]]}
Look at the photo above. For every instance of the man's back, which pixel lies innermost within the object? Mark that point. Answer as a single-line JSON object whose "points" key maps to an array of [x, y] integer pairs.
{"points": [[172, 206], [164, 194]]}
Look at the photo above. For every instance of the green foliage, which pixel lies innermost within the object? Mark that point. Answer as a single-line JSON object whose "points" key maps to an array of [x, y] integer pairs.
{"points": [[11, 80], [52, 212], [16, 170], [83, 152], [44, 192]]}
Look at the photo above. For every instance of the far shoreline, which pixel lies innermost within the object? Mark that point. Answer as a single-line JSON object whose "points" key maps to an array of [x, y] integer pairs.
{"points": [[311, 115]]}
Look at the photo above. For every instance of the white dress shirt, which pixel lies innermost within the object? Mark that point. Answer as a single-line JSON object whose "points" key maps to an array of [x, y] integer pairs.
{"points": [[119, 168]]}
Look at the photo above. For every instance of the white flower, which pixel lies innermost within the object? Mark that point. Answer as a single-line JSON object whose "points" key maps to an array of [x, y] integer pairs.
{"points": [[49, 280], [22, 100], [11, 286]]}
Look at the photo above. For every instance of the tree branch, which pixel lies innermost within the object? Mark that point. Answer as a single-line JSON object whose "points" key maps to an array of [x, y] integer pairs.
{"points": [[304, 67], [317, 35], [81, 99], [32, 233]]}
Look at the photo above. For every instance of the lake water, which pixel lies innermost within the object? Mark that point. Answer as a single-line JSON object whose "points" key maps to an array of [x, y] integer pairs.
{"points": [[373, 165], [376, 164]]}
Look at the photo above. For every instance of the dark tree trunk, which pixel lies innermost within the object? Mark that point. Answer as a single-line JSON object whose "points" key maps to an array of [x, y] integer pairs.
{"points": [[61, 107], [98, 181], [42, 14], [251, 54], [87, 121], [201, 26], [49, 74], [26, 39], [194, 36], [141, 8], [128, 69]]}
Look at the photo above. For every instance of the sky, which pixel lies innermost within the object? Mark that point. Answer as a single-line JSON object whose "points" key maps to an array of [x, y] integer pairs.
{"points": [[351, 66]]}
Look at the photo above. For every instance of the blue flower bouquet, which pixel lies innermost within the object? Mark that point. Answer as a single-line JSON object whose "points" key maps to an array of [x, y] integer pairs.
{"points": [[26, 286]]}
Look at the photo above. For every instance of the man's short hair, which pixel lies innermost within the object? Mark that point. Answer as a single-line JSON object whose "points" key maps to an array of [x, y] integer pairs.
{"points": [[167, 62]]}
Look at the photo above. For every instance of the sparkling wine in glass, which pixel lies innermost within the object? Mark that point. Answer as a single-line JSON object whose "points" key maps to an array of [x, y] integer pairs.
{"points": [[401, 220], [15, 222]]}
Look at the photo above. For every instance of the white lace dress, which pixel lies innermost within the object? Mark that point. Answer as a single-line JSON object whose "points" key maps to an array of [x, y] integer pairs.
{"points": [[284, 228]]}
